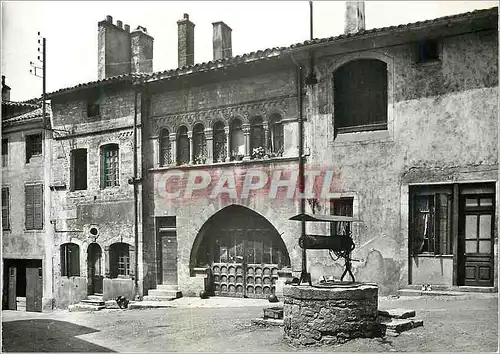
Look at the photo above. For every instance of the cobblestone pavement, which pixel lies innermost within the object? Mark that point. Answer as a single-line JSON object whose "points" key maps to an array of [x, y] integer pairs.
{"points": [[223, 325]]}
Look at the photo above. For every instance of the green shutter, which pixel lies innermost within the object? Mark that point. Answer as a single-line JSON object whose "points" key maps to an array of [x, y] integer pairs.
{"points": [[29, 207]]}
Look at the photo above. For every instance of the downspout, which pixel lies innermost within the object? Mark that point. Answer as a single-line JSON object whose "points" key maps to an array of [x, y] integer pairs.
{"points": [[136, 212]]}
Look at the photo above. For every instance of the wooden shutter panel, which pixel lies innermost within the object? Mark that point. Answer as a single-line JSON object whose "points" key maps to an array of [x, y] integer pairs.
{"points": [[29, 207], [64, 270], [38, 206], [75, 260], [72, 171], [5, 209]]}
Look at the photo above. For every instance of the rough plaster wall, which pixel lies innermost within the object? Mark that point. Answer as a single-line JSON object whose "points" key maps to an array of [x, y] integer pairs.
{"points": [[444, 127]]}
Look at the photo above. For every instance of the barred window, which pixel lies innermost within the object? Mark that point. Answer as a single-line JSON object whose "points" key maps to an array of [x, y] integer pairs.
{"points": [[276, 136], [119, 259], [110, 166], [219, 142], [182, 146], [199, 144], [70, 260], [165, 151]]}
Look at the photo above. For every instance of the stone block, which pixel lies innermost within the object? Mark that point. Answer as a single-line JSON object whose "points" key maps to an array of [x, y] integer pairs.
{"points": [[397, 313]]}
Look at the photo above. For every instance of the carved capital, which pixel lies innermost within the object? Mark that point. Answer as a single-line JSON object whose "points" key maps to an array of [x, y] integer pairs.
{"points": [[172, 136], [209, 134], [190, 134]]}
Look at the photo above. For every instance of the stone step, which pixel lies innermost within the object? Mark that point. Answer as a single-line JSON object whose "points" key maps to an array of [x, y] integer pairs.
{"points": [[416, 292], [84, 307], [165, 293], [92, 302], [397, 325], [94, 297], [150, 304], [397, 313], [453, 288], [274, 312], [268, 322], [167, 287], [160, 298]]}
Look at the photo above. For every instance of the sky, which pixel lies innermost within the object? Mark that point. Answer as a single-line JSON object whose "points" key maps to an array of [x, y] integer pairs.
{"points": [[70, 29]]}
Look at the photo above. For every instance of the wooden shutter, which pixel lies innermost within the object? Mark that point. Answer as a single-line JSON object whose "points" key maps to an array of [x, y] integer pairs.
{"points": [[5, 209], [38, 206], [74, 260], [29, 207], [64, 268], [72, 171]]}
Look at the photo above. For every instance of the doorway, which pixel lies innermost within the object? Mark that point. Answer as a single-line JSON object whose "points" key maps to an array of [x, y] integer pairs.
{"points": [[94, 270], [23, 285]]}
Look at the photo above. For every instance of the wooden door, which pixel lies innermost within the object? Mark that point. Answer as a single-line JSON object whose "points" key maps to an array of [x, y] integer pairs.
{"points": [[34, 288], [477, 240], [95, 279], [12, 294], [169, 257]]}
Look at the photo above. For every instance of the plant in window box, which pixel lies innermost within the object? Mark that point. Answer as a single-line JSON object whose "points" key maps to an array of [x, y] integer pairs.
{"points": [[200, 159], [258, 153], [278, 153], [236, 155]]}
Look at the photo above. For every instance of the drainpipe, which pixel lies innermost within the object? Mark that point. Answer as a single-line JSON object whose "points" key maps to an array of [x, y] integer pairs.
{"points": [[136, 212]]}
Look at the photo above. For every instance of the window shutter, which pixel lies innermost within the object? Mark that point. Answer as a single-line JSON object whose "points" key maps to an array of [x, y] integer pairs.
{"points": [[75, 260], [29, 210], [5, 209], [38, 206], [72, 171], [64, 271]]}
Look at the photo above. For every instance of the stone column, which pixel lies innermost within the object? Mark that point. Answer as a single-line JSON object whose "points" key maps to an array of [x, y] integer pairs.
{"points": [[107, 268], [173, 148], [131, 253], [228, 145], [209, 141], [191, 151], [156, 151], [266, 138], [246, 135]]}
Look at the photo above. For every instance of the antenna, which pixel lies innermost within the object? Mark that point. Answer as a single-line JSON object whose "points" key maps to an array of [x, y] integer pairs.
{"points": [[41, 71]]}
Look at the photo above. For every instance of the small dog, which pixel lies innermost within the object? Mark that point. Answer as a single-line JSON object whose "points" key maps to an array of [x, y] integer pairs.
{"points": [[122, 302]]}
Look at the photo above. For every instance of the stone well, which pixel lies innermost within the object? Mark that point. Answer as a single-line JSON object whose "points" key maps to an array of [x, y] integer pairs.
{"points": [[330, 314]]}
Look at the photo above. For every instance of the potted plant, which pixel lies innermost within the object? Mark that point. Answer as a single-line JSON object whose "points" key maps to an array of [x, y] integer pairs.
{"points": [[258, 153]]}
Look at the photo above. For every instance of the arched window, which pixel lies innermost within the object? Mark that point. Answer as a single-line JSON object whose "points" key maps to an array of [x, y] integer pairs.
{"points": [[237, 140], [199, 144], [182, 146], [119, 259], [70, 260], [165, 152], [276, 139], [257, 138], [110, 167], [219, 142], [360, 96]]}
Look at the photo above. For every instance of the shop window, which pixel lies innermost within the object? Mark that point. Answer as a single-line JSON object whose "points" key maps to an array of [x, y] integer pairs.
{"points": [[110, 169], [165, 150], [33, 206], [219, 142], [70, 260], [33, 146], [79, 169], [119, 260], [199, 144], [182, 146], [360, 96]]}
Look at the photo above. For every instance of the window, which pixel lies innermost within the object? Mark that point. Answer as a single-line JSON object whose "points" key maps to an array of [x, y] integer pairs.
{"points": [[199, 144], [219, 142], [343, 207], [34, 206], [33, 146], [360, 96], [237, 140], [110, 166], [182, 146], [165, 152], [70, 260], [93, 106], [119, 259], [79, 169], [428, 50], [431, 220], [257, 137], [5, 209], [276, 139], [5, 153]]}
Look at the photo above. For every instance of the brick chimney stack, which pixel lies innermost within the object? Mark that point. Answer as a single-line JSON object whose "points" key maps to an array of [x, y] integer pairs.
{"points": [[185, 42], [5, 90], [141, 44], [354, 16], [222, 41]]}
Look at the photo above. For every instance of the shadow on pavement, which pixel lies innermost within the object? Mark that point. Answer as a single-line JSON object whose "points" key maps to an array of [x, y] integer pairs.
{"points": [[45, 335]]}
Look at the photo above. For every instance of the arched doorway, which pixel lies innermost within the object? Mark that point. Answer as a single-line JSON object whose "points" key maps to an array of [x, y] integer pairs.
{"points": [[94, 273], [244, 252]]}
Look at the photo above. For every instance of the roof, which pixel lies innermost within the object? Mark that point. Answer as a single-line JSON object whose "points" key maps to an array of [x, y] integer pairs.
{"points": [[270, 53], [325, 218], [29, 116], [20, 104]]}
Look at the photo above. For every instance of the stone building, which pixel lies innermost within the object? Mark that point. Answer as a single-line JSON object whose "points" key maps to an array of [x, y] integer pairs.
{"points": [[26, 230], [401, 132]]}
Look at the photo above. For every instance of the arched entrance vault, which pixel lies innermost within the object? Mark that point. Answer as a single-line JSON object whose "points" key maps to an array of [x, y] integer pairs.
{"points": [[244, 251]]}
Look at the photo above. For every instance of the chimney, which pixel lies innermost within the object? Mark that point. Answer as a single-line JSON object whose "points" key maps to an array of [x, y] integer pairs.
{"points": [[5, 90], [185, 42], [222, 41], [113, 49], [141, 45], [354, 16]]}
